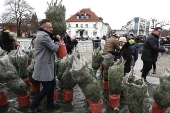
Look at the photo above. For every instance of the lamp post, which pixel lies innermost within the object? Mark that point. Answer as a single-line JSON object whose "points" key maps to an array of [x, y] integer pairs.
{"points": [[29, 26]]}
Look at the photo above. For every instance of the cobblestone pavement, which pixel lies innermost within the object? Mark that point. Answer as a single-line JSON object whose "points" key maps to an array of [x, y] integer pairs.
{"points": [[162, 64]]}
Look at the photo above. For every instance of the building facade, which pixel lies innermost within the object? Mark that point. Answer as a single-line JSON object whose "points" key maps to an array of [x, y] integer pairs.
{"points": [[87, 24], [138, 26]]}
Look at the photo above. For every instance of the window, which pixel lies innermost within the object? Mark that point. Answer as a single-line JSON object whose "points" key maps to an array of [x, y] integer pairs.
{"points": [[87, 16], [77, 32], [78, 16], [94, 25], [86, 25], [77, 25], [82, 16], [94, 33], [81, 25], [69, 25], [86, 33]]}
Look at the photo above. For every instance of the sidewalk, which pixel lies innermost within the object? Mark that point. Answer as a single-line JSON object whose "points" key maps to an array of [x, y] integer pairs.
{"points": [[138, 67]]}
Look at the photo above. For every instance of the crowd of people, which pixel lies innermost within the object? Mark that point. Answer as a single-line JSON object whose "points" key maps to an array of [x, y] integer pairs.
{"points": [[46, 44], [127, 47]]}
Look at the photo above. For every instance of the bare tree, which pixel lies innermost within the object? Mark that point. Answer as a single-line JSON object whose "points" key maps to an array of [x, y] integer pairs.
{"points": [[165, 33], [34, 23], [155, 23], [17, 9], [8, 21]]}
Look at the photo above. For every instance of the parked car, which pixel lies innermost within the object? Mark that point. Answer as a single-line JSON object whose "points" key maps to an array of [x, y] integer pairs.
{"points": [[31, 35], [80, 38]]}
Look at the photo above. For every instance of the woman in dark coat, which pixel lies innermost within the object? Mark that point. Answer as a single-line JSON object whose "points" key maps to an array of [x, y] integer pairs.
{"points": [[125, 52], [68, 43], [7, 41], [74, 41]]}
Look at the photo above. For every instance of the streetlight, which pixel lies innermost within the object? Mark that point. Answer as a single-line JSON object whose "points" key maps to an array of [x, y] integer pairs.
{"points": [[29, 26]]}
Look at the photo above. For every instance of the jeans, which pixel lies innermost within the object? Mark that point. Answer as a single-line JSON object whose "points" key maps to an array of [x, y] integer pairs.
{"points": [[48, 89]]}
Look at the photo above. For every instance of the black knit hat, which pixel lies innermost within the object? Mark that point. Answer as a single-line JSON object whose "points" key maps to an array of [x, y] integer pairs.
{"points": [[115, 35]]}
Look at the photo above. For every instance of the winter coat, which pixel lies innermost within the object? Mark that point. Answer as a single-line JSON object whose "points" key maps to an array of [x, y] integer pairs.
{"points": [[126, 53], [110, 45], [44, 56], [7, 42], [74, 42], [151, 48], [68, 43], [134, 48]]}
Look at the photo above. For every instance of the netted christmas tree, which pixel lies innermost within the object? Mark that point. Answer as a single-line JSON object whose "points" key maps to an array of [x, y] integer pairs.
{"points": [[56, 14]]}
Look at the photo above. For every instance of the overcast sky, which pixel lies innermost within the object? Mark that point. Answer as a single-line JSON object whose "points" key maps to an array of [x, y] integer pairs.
{"points": [[115, 12]]}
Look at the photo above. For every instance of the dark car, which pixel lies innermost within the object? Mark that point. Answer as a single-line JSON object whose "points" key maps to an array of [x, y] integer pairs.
{"points": [[30, 35], [80, 38]]}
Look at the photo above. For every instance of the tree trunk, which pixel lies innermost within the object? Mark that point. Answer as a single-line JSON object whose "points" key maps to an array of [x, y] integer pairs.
{"points": [[19, 34]]}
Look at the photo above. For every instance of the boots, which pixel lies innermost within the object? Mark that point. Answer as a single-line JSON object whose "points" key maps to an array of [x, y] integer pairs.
{"points": [[154, 71]]}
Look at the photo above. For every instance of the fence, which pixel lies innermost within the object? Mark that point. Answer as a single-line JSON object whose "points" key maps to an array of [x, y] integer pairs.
{"points": [[83, 46]]}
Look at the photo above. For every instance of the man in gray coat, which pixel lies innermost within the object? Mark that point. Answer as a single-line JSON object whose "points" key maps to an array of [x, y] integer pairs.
{"points": [[45, 47]]}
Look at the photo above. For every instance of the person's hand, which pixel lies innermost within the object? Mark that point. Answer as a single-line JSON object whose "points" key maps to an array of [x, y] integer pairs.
{"points": [[33, 40], [58, 36], [166, 50], [118, 59], [110, 52], [55, 39]]}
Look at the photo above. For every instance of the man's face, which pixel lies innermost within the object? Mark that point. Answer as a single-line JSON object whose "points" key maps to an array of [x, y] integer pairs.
{"points": [[66, 34], [158, 32], [48, 27]]}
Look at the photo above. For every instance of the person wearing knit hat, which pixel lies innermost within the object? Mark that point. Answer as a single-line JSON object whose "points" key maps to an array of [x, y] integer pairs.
{"points": [[125, 52], [167, 40], [73, 37], [134, 47], [74, 41], [162, 41], [131, 36], [111, 44], [7, 41], [68, 43]]}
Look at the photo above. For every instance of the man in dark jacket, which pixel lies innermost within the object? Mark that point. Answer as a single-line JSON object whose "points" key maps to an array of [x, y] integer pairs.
{"points": [[68, 43], [150, 51]]}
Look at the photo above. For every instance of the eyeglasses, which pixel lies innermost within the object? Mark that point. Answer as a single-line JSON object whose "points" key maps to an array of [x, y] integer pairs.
{"points": [[159, 31], [48, 27]]}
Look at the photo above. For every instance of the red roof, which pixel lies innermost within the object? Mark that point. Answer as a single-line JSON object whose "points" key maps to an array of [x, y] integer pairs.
{"points": [[93, 16]]}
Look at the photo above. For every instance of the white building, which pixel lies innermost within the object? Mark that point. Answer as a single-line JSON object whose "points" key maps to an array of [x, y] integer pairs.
{"points": [[87, 23], [138, 26]]}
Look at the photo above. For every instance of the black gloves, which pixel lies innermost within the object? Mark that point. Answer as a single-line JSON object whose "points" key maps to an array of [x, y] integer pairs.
{"points": [[55, 39], [112, 52]]}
